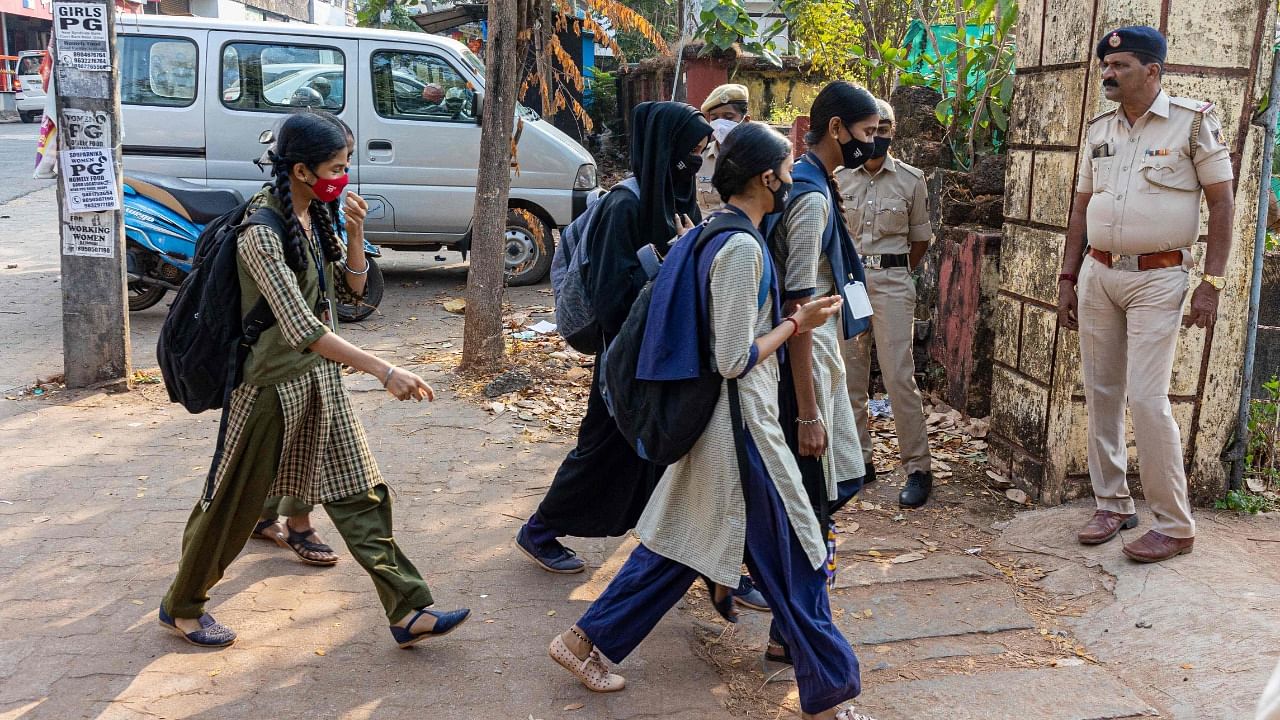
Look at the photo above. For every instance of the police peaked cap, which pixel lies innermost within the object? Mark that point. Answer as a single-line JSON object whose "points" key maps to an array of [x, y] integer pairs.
{"points": [[1138, 39]]}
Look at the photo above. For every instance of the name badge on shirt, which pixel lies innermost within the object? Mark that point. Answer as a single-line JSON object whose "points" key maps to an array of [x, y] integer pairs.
{"points": [[855, 293]]}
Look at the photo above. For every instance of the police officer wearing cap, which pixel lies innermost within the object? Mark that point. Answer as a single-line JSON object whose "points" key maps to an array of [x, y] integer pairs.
{"points": [[1143, 170], [724, 108], [886, 209]]}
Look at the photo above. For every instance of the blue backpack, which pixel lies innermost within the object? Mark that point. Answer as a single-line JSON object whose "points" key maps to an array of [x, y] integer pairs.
{"points": [[663, 419], [575, 317]]}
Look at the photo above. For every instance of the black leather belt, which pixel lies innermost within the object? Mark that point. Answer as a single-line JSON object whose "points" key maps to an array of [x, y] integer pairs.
{"points": [[877, 262]]}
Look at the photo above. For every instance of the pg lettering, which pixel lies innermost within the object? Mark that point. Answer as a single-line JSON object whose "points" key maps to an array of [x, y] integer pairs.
{"points": [[96, 168], [81, 17]]}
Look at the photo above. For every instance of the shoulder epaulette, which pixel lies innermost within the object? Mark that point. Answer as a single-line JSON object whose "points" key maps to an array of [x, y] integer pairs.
{"points": [[1096, 118], [915, 171], [1200, 106]]}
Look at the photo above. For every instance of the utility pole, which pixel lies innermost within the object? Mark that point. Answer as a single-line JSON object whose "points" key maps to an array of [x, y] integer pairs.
{"points": [[95, 318]]}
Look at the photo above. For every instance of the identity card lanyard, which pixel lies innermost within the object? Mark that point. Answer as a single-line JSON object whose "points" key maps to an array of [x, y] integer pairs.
{"points": [[331, 313]]}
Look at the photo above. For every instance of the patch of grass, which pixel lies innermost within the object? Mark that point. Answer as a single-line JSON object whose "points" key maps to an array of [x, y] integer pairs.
{"points": [[1245, 503]]}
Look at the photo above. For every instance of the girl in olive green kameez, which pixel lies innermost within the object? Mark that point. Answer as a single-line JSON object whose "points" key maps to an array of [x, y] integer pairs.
{"points": [[291, 428]]}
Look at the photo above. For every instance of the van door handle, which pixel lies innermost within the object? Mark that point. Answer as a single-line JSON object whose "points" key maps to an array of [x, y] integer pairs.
{"points": [[381, 152]]}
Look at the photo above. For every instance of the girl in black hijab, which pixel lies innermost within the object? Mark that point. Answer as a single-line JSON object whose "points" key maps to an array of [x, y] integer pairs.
{"points": [[603, 486]]}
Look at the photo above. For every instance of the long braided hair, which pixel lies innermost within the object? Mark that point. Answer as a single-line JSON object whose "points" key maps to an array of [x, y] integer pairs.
{"points": [[311, 140]]}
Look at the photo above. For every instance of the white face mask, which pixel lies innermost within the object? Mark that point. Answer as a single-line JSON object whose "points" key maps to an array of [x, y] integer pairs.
{"points": [[721, 128]]}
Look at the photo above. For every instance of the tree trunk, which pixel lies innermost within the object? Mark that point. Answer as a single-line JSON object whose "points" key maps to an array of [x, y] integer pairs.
{"points": [[483, 344]]}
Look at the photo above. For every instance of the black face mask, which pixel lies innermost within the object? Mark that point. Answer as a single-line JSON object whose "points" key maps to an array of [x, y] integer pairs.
{"points": [[780, 196], [855, 152], [688, 166], [882, 147]]}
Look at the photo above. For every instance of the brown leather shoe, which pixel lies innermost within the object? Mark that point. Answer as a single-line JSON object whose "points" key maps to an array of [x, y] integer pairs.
{"points": [[1154, 547], [1104, 525]]}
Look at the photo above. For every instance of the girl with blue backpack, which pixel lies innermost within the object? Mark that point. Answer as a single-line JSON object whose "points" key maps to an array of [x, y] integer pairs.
{"points": [[291, 429], [816, 256], [738, 489]]}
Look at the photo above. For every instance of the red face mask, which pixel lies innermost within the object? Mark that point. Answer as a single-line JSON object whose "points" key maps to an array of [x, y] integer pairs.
{"points": [[329, 189]]}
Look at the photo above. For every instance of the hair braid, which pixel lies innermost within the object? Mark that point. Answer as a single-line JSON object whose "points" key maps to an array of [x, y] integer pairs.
{"points": [[324, 229], [294, 256]]}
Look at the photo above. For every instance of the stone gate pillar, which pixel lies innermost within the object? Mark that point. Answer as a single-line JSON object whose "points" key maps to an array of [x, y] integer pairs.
{"points": [[1038, 424]]}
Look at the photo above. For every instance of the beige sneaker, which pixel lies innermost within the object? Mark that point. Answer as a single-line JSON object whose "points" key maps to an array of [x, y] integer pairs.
{"points": [[592, 672]]}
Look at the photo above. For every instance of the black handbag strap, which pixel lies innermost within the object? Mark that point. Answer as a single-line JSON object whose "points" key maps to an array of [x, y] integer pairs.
{"points": [[739, 430]]}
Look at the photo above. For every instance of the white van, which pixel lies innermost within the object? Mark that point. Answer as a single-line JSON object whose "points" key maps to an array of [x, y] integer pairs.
{"points": [[198, 92]]}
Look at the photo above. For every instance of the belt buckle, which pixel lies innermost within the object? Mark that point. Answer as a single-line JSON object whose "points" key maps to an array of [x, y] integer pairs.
{"points": [[871, 262], [1127, 263]]}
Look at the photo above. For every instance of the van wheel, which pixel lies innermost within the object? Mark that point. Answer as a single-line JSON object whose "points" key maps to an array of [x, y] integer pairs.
{"points": [[374, 285], [529, 246], [28, 117]]}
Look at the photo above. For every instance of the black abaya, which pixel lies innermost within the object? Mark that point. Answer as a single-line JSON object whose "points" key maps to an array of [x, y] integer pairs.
{"points": [[602, 486]]}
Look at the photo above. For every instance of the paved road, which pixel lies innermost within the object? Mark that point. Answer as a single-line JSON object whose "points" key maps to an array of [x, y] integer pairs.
{"points": [[17, 157]]}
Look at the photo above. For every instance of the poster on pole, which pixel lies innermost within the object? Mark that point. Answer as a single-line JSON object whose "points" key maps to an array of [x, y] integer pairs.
{"points": [[89, 179], [80, 34], [85, 128], [90, 235]]}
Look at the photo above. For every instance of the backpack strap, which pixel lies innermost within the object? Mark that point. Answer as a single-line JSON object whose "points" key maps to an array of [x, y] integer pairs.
{"points": [[258, 319]]}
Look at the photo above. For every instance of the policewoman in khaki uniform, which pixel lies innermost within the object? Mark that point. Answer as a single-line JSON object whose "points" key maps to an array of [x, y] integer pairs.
{"points": [[724, 108], [886, 208], [1144, 167]]}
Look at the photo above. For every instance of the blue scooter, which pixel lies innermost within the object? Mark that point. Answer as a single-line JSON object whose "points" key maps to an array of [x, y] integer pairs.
{"points": [[163, 217]]}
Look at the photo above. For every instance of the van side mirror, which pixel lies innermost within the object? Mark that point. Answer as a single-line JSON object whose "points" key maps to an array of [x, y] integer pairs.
{"points": [[478, 104]]}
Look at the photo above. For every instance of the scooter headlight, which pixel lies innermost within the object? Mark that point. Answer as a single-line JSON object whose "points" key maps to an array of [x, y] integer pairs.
{"points": [[586, 178]]}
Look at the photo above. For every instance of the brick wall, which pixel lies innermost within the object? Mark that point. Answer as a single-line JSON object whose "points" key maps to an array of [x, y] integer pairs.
{"points": [[1039, 425]]}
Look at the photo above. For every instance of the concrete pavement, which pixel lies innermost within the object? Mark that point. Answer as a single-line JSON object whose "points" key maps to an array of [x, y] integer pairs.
{"points": [[1001, 616]]}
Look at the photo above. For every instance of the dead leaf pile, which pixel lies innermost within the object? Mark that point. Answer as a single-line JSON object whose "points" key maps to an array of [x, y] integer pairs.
{"points": [[561, 376], [952, 438]]}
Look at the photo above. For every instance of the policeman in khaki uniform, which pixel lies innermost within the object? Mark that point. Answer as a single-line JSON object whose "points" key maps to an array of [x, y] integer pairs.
{"points": [[1144, 167], [886, 208], [724, 108]]}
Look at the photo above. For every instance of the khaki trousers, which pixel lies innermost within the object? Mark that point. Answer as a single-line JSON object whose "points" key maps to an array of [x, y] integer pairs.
{"points": [[893, 302], [1129, 324]]}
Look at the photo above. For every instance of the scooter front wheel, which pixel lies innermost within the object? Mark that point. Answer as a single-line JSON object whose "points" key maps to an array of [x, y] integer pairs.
{"points": [[373, 288], [142, 296]]}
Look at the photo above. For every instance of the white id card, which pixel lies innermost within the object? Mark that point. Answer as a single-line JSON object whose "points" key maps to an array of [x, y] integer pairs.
{"points": [[855, 293]]}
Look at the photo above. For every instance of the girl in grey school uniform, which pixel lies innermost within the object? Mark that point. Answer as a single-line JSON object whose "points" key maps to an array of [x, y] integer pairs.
{"points": [[709, 507]]}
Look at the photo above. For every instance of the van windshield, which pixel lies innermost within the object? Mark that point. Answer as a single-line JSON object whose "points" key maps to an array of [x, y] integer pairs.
{"points": [[29, 65]]}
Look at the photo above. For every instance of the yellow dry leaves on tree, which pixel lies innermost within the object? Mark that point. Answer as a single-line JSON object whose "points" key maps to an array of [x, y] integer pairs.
{"points": [[555, 71]]}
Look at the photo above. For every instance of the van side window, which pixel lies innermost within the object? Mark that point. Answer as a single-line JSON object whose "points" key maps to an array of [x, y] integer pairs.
{"points": [[273, 78], [158, 71], [419, 86]]}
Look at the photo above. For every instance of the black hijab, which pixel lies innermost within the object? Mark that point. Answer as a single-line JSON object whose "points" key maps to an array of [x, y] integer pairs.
{"points": [[663, 134]]}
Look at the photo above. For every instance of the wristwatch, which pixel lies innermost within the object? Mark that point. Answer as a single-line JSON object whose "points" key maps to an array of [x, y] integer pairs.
{"points": [[1217, 281]]}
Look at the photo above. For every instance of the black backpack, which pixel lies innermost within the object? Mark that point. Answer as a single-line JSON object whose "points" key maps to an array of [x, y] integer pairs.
{"points": [[663, 419], [205, 339]]}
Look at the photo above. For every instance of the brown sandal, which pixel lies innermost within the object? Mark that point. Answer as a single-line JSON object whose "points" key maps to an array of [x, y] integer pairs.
{"points": [[302, 546]]}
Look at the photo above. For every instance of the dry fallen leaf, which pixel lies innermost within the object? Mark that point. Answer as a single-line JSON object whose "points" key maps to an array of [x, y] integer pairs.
{"points": [[320, 653], [1187, 666], [551, 613], [573, 706], [873, 553], [907, 557]]}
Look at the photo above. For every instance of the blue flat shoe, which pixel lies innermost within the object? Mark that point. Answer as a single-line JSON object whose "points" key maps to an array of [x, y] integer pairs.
{"points": [[749, 596], [446, 622], [212, 634], [552, 557]]}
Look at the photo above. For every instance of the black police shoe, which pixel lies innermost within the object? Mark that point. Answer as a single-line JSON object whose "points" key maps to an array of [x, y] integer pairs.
{"points": [[916, 492]]}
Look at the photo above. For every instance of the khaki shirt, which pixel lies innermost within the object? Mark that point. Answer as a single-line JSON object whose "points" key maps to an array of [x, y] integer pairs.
{"points": [[888, 210], [1146, 188], [708, 198]]}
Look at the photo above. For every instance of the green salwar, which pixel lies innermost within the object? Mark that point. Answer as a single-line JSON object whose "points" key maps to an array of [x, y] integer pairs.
{"points": [[214, 537], [286, 506]]}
